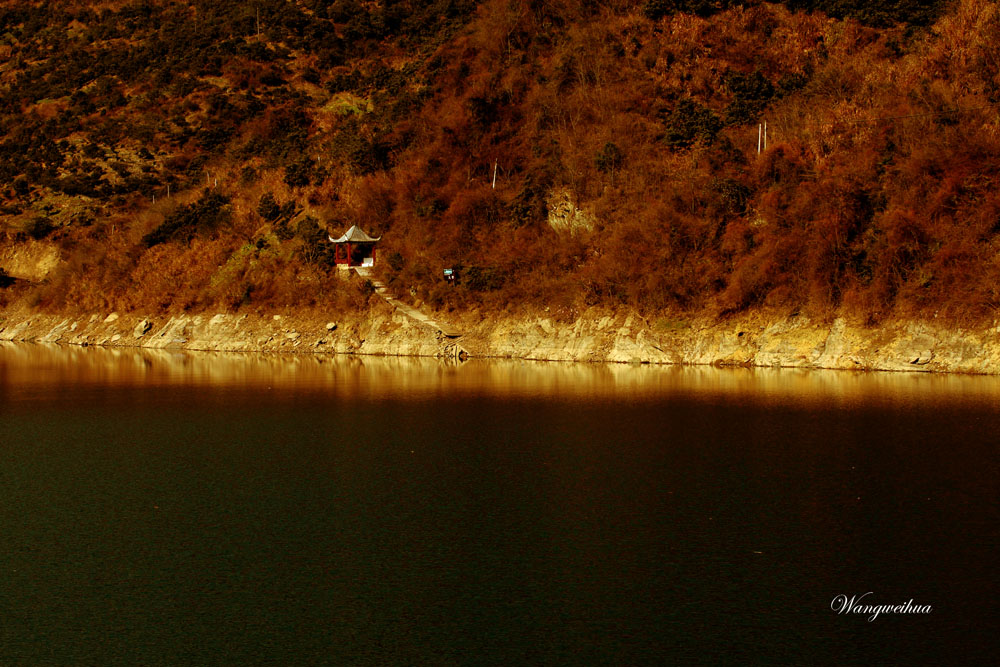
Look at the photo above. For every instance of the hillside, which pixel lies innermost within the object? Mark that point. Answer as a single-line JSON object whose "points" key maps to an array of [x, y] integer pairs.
{"points": [[171, 157]]}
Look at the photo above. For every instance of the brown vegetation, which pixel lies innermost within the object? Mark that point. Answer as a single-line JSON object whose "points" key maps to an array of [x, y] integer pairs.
{"points": [[874, 196]]}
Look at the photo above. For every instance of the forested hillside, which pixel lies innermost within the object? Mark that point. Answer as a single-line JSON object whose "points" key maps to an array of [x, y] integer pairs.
{"points": [[182, 156]]}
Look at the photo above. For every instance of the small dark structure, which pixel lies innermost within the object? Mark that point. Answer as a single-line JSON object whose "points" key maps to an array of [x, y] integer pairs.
{"points": [[355, 248]]}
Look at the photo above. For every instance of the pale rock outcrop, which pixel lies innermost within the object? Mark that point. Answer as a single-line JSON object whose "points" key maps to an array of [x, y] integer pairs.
{"points": [[565, 216], [56, 333], [795, 341], [142, 328]]}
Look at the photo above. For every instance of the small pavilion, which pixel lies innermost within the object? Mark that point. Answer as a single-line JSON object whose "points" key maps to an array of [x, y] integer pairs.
{"points": [[354, 248]]}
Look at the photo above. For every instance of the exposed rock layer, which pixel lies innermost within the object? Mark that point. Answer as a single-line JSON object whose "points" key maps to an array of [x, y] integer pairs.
{"points": [[790, 342]]}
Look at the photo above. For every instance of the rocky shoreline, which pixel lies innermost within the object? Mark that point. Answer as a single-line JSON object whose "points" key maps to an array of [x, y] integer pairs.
{"points": [[595, 337]]}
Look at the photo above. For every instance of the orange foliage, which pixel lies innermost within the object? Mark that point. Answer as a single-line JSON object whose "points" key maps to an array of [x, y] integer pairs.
{"points": [[874, 193]]}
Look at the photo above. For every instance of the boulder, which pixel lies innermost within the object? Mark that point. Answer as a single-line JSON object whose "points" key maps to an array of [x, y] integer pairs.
{"points": [[142, 329]]}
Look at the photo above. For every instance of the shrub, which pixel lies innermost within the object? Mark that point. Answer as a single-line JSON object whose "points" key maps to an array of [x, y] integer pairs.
{"points": [[212, 138], [881, 12], [21, 186], [299, 173], [315, 247], [609, 159], [689, 123], [657, 9], [370, 155], [268, 207], [184, 222], [751, 93], [482, 278], [40, 227], [395, 261]]}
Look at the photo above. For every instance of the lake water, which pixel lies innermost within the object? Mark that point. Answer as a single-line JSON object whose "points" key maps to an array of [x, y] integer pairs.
{"points": [[167, 508]]}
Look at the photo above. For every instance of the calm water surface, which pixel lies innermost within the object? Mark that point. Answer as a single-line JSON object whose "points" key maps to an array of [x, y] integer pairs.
{"points": [[164, 508]]}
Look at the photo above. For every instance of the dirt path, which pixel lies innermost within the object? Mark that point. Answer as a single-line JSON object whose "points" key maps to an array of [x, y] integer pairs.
{"points": [[414, 313]]}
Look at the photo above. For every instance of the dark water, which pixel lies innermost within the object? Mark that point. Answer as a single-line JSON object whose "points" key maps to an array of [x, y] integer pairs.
{"points": [[159, 508]]}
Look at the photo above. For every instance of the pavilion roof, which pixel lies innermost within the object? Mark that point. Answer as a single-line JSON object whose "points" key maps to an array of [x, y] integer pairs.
{"points": [[354, 235]]}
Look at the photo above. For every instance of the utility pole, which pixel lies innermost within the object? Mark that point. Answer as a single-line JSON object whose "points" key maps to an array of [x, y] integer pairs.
{"points": [[494, 174]]}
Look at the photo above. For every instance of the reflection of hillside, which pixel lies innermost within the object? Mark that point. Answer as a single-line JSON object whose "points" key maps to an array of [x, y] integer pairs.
{"points": [[32, 366]]}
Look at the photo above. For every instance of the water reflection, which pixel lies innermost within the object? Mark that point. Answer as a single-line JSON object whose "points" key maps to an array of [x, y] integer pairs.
{"points": [[201, 508], [32, 366]]}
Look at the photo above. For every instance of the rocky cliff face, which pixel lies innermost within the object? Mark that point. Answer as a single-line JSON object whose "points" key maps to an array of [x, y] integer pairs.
{"points": [[32, 260], [788, 342], [382, 332]]}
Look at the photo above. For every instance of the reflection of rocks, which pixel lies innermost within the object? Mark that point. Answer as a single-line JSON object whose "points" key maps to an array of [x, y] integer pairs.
{"points": [[591, 336], [409, 379]]}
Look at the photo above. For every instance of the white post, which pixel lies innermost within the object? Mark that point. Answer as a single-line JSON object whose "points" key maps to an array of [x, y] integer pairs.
{"points": [[765, 135], [494, 174], [759, 135]]}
